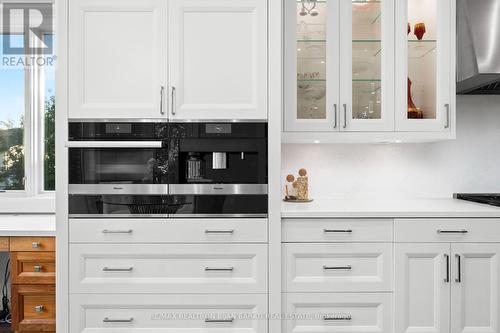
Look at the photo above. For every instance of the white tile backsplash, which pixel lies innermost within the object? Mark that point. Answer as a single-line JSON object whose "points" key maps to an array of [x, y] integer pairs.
{"points": [[469, 164]]}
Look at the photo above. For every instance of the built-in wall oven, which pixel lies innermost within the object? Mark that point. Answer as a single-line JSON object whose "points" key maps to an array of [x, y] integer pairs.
{"points": [[167, 170]]}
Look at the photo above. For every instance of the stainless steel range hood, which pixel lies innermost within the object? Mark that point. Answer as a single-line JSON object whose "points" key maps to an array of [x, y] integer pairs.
{"points": [[478, 47]]}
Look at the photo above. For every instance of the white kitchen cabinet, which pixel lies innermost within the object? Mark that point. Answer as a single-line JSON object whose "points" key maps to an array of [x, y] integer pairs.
{"points": [[337, 267], [168, 268], [355, 73], [338, 313], [117, 59], [167, 313], [475, 295], [425, 65], [422, 290], [218, 59]]}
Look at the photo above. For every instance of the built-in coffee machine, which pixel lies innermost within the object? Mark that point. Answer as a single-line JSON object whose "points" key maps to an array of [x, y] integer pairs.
{"points": [[167, 170]]}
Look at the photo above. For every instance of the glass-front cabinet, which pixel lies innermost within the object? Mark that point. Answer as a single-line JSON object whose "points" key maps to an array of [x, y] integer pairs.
{"points": [[369, 65], [425, 66]]}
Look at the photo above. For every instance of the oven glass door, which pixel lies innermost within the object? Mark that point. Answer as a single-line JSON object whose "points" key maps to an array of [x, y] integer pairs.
{"points": [[118, 165]]}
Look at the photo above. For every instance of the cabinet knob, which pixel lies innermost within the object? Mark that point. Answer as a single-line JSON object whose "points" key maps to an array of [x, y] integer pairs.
{"points": [[35, 245], [38, 308], [37, 268]]}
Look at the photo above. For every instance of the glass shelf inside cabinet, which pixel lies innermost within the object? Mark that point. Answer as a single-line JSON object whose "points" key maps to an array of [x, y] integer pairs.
{"points": [[311, 59], [366, 59], [422, 72]]}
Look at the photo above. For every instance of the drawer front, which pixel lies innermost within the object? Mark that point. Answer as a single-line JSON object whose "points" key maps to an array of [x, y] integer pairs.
{"points": [[169, 268], [337, 230], [32, 244], [33, 308], [447, 230], [171, 231], [337, 267], [339, 313], [33, 267], [168, 313]]}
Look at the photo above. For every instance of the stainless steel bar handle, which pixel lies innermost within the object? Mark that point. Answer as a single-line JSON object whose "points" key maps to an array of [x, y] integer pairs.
{"points": [[340, 317], [447, 278], [162, 89], [222, 321], [124, 269], [459, 268], [172, 101], [109, 320], [337, 231], [335, 124], [447, 106], [37, 268], [35, 245], [115, 144], [229, 231], [337, 268], [219, 269], [461, 231], [345, 115], [107, 231]]}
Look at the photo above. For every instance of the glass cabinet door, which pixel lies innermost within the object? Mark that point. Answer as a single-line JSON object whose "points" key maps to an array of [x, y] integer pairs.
{"points": [[367, 65], [425, 65], [311, 65]]}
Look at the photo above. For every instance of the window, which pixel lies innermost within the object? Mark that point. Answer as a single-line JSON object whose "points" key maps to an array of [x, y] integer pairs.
{"points": [[27, 126]]}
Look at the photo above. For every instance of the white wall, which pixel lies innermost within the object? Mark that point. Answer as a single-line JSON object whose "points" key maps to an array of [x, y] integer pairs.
{"points": [[469, 164]]}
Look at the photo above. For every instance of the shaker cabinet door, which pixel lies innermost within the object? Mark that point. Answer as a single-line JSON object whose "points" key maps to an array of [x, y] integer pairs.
{"points": [[312, 60], [422, 290], [475, 298], [117, 59], [218, 59], [425, 65], [367, 65]]}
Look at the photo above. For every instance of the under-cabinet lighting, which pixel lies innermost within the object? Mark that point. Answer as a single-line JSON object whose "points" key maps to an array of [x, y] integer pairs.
{"points": [[316, 141]]}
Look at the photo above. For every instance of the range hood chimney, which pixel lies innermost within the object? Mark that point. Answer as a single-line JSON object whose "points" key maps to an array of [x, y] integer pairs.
{"points": [[478, 47]]}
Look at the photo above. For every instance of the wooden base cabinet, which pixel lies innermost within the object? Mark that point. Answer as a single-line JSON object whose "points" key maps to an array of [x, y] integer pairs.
{"points": [[33, 284]]}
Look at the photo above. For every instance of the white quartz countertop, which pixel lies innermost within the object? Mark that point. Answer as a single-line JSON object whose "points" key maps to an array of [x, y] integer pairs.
{"points": [[389, 208], [27, 225]]}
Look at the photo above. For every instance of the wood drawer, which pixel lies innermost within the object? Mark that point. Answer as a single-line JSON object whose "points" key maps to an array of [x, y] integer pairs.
{"points": [[337, 267], [32, 244], [167, 313], [447, 230], [168, 268], [33, 267], [342, 313], [337, 230], [33, 308], [162, 231]]}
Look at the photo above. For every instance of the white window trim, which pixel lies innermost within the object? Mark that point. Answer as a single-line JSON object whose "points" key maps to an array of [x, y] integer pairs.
{"points": [[34, 144]]}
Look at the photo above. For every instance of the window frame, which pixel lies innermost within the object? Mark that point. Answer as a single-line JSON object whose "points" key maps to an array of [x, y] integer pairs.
{"points": [[34, 128]]}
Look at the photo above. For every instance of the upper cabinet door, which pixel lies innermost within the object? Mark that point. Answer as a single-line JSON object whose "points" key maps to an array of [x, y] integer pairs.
{"points": [[117, 58], [425, 62], [475, 298], [312, 65], [218, 59], [367, 70]]}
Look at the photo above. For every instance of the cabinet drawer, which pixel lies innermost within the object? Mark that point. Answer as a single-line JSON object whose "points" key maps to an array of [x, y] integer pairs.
{"points": [[168, 313], [337, 230], [33, 267], [32, 244], [186, 231], [342, 313], [337, 267], [169, 268], [33, 308], [447, 230]]}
